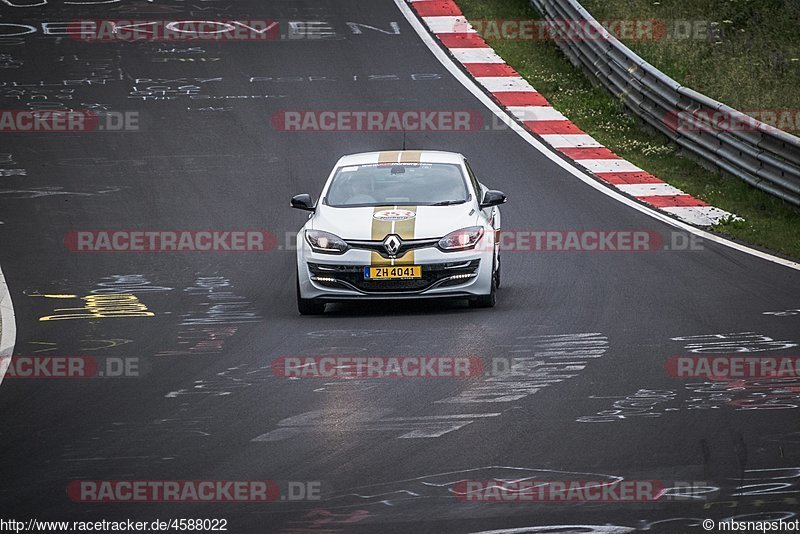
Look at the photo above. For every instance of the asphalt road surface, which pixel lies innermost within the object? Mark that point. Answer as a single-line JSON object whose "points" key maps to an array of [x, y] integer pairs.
{"points": [[195, 342]]}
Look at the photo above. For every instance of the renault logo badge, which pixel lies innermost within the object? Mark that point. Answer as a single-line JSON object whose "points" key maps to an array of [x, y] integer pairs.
{"points": [[392, 244]]}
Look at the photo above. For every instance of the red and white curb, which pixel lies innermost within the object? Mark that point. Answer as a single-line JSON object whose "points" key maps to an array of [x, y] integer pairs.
{"points": [[513, 93]]}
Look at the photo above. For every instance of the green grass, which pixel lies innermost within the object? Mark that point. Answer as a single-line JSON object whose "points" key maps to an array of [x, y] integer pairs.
{"points": [[749, 58], [769, 222]]}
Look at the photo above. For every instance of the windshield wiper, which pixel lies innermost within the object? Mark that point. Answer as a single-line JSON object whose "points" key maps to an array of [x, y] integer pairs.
{"points": [[448, 202]]}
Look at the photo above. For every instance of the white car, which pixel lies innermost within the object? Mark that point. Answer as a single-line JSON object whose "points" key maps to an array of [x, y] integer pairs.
{"points": [[401, 224]]}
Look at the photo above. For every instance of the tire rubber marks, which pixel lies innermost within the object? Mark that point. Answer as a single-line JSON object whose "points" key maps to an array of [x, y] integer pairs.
{"points": [[370, 419], [8, 167], [779, 393], [538, 361]]}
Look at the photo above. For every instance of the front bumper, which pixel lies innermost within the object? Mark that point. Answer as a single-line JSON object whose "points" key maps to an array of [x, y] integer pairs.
{"points": [[444, 275]]}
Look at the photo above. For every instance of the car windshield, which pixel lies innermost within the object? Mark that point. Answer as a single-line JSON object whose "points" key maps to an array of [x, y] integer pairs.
{"points": [[397, 183]]}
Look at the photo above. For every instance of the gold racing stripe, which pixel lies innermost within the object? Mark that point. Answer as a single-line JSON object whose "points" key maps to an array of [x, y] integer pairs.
{"points": [[380, 229], [404, 229], [388, 157], [411, 156], [397, 156]]}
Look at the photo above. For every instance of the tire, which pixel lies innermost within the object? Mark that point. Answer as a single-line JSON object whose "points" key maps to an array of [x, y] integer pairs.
{"points": [[308, 306], [497, 273], [486, 301]]}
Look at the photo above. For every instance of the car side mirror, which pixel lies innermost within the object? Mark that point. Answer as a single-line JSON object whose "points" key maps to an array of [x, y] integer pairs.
{"points": [[493, 198], [303, 202]]}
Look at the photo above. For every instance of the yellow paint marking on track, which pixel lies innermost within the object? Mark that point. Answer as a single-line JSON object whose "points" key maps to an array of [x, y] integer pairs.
{"points": [[103, 306], [104, 343]]}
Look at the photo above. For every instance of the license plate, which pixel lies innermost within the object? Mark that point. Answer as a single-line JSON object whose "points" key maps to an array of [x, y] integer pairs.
{"points": [[393, 272]]}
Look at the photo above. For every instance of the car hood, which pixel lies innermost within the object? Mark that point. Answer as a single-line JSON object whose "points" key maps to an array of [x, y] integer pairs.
{"points": [[409, 222]]}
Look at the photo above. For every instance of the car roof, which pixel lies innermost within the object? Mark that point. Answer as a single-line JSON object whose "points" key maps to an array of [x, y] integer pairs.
{"points": [[401, 156]]}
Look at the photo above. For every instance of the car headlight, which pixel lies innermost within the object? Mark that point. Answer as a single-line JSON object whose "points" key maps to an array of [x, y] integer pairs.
{"points": [[463, 239], [326, 242]]}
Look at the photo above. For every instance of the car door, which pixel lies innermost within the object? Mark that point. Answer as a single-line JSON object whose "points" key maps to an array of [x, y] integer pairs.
{"points": [[491, 213]]}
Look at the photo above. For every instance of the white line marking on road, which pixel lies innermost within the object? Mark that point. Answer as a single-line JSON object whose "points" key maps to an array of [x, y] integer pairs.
{"points": [[589, 529], [8, 327]]}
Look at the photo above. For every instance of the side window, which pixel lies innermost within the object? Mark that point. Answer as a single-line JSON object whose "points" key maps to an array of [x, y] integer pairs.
{"points": [[475, 185]]}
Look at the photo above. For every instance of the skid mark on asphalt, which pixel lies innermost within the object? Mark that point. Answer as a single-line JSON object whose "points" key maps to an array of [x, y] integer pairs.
{"points": [[48, 191], [370, 420], [167, 164], [539, 361], [433, 496], [128, 445], [448, 485], [739, 394], [784, 313], [226, 382]]}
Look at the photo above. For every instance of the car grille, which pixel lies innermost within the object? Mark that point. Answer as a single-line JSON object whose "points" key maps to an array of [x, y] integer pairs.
{"points": [[405, 246], [352, 277]]}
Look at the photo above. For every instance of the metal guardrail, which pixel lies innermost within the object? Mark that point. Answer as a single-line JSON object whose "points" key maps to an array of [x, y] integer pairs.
{"points": [[758, 153]]}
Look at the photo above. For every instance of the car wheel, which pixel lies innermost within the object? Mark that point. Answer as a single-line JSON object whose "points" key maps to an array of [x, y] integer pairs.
{"points": [[486, 301], [308, 306], [497, 273]]}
